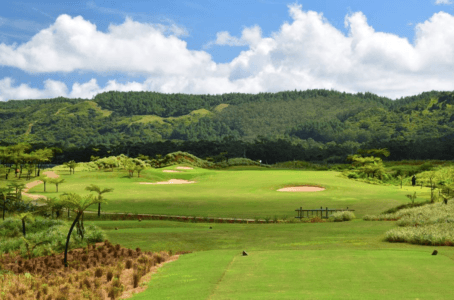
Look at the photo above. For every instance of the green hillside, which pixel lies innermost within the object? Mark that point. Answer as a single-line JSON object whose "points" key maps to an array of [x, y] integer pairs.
{"points": [[298, 117]]}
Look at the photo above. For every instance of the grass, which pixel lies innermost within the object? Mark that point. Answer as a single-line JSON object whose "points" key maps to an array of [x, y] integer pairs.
{"points": [[345, 260], [331, 274], [333, 260], [243, 193]]}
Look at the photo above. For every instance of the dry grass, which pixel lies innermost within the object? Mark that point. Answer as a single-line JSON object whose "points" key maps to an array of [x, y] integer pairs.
{"points": [[100, 271]]}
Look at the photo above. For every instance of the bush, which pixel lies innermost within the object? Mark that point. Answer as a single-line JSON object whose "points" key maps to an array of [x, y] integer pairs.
{"points": [[353, 175], [342, 216]]}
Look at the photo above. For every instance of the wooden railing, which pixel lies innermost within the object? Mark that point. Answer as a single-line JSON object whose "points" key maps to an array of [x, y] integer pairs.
{"points": [[315, 212]]}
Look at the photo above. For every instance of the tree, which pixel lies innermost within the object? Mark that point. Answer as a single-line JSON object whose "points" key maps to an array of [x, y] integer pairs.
{"points": [[33, 245], [71, 165], [18, 187], [42, 155], [4, 193], [44, 179], [412, 197], [57, 181], [97, 189], [79, 204], [54, 204], [23, 217], [139, 168]]}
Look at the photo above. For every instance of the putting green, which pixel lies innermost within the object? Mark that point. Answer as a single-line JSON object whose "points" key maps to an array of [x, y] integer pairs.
{"points": [[307, 274]]}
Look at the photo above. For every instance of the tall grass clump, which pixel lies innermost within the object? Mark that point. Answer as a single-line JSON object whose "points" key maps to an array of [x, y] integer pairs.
{"points": [[426, 225], [342, 216]]}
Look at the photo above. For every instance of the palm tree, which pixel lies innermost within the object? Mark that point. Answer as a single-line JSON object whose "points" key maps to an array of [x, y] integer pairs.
{"points": [[97, 189], [57, 181], [4, 192], [79, 204]]}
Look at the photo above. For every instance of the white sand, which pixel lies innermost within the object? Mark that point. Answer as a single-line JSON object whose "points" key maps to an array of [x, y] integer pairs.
{"points": [[301, 189], [185, 168], [171, 171], [171, 181]]}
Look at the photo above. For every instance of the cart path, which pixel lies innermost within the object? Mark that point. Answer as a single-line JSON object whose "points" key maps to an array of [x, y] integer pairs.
{"points": [[50, 174]]}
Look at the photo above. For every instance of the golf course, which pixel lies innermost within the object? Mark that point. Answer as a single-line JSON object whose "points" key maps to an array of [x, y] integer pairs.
{"points": [[286, 258]]}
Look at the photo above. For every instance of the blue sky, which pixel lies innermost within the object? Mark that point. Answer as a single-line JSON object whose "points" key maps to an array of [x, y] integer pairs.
{"points": [[81, 48]]}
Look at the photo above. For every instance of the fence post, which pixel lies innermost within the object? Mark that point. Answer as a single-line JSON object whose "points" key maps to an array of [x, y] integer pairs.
{"points": [[327, 212]]}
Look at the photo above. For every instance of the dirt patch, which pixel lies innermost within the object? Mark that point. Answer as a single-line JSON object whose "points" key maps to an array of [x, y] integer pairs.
{"points": [[171, 171], [171, 181], [185, 168], [50, 174], [301, 189]]}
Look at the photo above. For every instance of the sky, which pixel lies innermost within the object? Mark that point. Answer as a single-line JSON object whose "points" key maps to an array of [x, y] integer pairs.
{"points": [[77, 49]]}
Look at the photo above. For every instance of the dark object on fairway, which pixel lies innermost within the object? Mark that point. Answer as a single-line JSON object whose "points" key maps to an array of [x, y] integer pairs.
{"points": [[413, 180], [435, 252], [140, 220], [116, 228], [211, 227], [245, 253]]}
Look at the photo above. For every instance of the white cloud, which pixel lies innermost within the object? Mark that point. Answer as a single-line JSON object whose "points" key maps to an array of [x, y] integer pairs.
{"points": [[51, 89], [306, 53], [75, 44], [250, 36], [443, 2]]}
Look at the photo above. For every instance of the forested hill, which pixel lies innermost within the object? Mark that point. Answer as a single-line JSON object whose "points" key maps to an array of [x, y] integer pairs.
{"points": [[298, 117]]}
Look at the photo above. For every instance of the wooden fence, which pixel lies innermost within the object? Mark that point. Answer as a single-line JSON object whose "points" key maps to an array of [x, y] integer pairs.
{"points": [[324, 213]]}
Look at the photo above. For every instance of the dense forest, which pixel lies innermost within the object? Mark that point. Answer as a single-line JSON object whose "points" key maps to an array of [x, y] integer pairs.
{"points": [[316, 125]]}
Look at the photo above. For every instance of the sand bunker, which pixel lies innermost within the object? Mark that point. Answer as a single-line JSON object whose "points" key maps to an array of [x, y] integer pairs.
{"points": [[171, 171], [171, 181], [185, 168], [301, 189]]}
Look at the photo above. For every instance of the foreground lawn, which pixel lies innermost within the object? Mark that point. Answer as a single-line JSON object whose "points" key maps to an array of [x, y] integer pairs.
{"points": [[308, 274], [347, 260], [234, 193]]}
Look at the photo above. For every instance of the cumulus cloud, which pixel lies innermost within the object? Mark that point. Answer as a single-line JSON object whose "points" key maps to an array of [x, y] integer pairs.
{"points": [[72, 44], [306, 53]]}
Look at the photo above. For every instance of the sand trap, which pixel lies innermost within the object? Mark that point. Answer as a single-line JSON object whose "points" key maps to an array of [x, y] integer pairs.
{"points": [[171, 171], [185, 168], [171, 181], [301, 189]]}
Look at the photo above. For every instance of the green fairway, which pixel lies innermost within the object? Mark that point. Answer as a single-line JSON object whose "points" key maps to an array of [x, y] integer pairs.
{"points": [[235, 193]]}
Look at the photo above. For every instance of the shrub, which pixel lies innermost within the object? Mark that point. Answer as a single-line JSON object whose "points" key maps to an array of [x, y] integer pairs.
{"points": [[353, 175], [342, 216]]}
